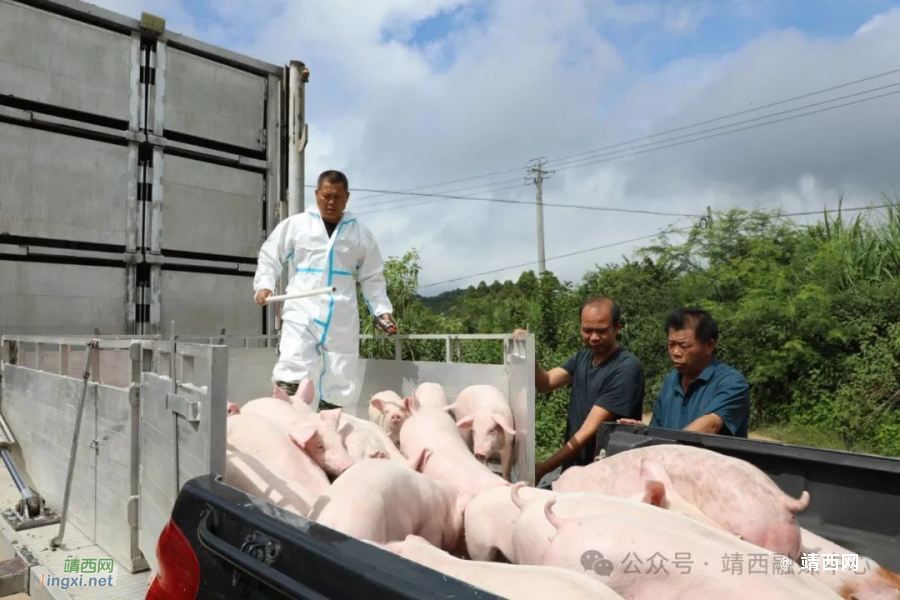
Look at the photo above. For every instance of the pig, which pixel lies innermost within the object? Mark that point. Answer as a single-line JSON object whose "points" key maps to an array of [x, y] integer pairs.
{"points": [[662, 554], [382, 501], [315, 433], [280, 405], [483, 415], [532, 532], [364, 439], [432, 395], [256, 437], [490, 518], [451, 460], [731, 492], [389, 411], [507, 581], [249, 474], [868, 581]]}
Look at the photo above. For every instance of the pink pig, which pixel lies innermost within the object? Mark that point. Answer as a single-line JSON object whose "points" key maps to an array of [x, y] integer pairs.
{"points": [[383, 501], [251, 475], [276, 458], [483, 413], [315, 433], [451, 460], [490, 520], [731, 492], [389, 411], [364, 439], [507, 581], [532, 532], [662, 554], [430, 394], [869, 581]]}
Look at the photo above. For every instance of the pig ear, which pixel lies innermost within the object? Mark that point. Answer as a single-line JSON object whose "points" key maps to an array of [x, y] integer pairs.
{"points": [[303, 434], [418, 463], [332, 416], [278, 392], [450, 407], [654, 471], [502, 422], [306, 391], [654, 493], [411, 403], [377, 403], [465, 422]]}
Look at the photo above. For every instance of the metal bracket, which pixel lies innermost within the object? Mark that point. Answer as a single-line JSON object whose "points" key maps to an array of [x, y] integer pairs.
{"points": [[189, 409], [19, 519]]}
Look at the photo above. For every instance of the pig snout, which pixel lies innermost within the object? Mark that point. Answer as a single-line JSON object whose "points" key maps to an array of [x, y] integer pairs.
{"points": [[233, 409]]}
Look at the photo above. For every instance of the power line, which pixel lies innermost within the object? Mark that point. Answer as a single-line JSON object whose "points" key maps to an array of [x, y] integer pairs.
{"points": [[528, 264], [656, 147], [680, 230], [730, 115], [806, 114], [457, 191], [753, 120], [834, 210], [651, 136], [529, 203]]}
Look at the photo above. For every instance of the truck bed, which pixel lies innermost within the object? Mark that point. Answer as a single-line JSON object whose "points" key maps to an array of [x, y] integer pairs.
{"points": [[76, 544]]}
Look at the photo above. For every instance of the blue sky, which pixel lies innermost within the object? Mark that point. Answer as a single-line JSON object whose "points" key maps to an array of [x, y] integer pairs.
{"points": [[409, 93]]}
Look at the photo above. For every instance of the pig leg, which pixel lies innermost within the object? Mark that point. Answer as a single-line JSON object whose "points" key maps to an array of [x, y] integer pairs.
{"points": [[506, 458]]}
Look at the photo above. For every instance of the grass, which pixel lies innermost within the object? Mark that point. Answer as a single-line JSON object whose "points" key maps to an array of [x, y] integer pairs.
{"points": [[804, 435]]}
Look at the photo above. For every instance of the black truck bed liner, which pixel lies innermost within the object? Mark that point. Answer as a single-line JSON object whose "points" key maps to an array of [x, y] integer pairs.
{"points": [[854, 498]]}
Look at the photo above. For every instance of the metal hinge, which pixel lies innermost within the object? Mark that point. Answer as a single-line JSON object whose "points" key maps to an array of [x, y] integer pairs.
{"points": [[262, 139]]}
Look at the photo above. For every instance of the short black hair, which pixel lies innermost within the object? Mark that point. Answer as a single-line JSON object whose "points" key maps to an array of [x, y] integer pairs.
{"points": [[704, 326], [614, 310], [333, 176]]}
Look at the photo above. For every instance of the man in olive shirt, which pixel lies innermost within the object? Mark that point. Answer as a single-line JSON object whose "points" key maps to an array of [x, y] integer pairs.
{"points": [[607, 383]]}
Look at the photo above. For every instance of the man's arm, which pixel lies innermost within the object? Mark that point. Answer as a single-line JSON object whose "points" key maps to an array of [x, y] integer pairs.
{"points": [[729, 408], [588, 430], [370, 274], [619, 396], [557, 377], [547, 381], [270, 260], [711, 423]]}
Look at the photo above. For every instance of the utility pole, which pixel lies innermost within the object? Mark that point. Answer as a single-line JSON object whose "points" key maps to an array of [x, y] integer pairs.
{"points": [[536, 175]]}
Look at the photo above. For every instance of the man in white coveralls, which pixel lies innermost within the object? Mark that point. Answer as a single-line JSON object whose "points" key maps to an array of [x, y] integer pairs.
{"points": [[324, 246]]}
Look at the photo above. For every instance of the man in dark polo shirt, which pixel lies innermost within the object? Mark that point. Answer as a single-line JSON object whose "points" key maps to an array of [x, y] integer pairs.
{"points": [[701, 393], [607, 382]]}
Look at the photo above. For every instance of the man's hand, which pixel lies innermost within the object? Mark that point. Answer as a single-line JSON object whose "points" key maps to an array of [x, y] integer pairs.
{"points": [[519, 332], [386, 323], [261, 296], [540, 470], [629, 422]]}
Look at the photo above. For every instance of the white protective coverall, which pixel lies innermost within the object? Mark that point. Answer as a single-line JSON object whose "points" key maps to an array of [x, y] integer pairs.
{"points": [[320, 334]]}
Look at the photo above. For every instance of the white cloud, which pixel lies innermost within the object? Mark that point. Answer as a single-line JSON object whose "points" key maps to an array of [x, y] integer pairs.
{"points": [[517, 79]]}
